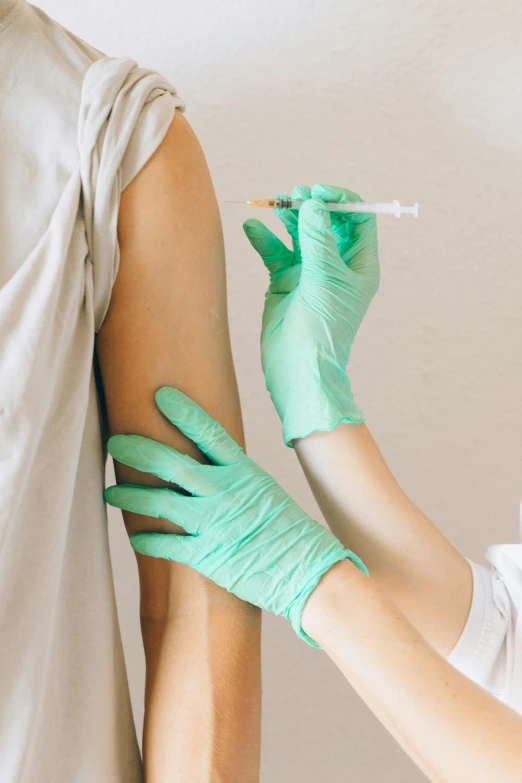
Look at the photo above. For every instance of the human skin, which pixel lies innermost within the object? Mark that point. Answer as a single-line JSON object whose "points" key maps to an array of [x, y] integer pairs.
{"points": [[408, 557], [322, 280], [167, 325], [450, 727]]}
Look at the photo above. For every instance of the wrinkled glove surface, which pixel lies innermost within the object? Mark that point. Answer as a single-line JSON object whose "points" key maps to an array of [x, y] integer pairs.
{"points": [[318, 295], [245, 532]]}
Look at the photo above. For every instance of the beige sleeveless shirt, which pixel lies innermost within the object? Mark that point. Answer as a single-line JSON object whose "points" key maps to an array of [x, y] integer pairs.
{"points": [[75, 128]]}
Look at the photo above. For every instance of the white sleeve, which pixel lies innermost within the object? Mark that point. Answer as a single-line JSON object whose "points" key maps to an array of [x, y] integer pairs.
{"points": [[489, 649]]}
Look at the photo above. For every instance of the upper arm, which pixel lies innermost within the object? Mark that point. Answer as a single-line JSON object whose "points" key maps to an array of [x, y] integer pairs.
{"points": [[167, 321]]}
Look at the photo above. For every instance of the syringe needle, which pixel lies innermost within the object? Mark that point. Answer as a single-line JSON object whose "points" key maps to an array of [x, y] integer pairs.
{"points": [[270, 203]]}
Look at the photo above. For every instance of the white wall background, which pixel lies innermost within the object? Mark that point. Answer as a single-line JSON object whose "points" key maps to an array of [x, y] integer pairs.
{"points": [[409, 100]]}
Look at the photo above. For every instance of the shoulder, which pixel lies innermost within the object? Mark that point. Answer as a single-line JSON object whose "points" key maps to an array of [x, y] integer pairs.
{"points": [[173, 193], [179, 157]]}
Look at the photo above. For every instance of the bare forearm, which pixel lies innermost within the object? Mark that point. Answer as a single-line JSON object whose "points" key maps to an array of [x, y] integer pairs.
{"points": [[450, 727], [203, 690], [368, 511], [202, 651], [203, 680]]}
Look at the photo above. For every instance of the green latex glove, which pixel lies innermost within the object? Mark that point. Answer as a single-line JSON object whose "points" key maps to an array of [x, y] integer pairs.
{"points": [[245, 532], [318, 295]]}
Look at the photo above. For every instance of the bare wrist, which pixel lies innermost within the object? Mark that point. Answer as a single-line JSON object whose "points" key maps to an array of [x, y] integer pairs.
{"points": [[319, 614]]}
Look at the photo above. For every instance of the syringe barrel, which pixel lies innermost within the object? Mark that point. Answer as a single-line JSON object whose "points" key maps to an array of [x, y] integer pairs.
{"points": [[374, 207], [351, 206]]}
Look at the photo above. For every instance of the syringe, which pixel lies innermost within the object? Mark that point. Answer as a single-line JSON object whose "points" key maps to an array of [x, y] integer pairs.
{"points": [[375, 207]]}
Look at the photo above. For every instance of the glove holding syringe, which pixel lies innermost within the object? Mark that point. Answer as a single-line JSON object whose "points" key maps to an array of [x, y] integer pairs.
{"points": [[319, 292]]}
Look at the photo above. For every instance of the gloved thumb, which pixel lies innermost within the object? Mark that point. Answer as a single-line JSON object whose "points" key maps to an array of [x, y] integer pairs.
{"points": [[277, 257], [319, 251]]}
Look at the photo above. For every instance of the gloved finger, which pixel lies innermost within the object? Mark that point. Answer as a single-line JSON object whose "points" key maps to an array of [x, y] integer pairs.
{"points": [[363, 256], [340, 195], [333, 193], [168, 546], [208, 435], [301, 193], [318, 246], [288, 217], [343, 223], [277, 257], [160, 503], [356, 232], [161, 460]]}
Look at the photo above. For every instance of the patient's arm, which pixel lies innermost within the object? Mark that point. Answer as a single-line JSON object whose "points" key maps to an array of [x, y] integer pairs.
{"points": [[167, 325]]}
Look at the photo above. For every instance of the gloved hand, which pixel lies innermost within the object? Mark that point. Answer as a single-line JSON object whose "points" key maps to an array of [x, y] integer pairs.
{"points": [[318, 295], [245, 532]]}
